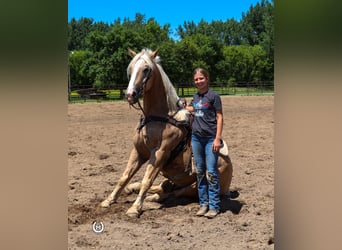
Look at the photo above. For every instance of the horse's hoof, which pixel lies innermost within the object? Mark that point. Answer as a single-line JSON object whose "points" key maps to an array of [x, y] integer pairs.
{"points": [[132, 215], [133, 212], [105, 204], [153, 198]]}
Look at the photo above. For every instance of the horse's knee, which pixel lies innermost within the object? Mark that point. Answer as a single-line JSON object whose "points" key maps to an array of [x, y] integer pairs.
{"points": [[167, 186]]}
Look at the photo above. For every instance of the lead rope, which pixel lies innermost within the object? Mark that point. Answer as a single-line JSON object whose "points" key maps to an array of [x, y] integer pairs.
{"points": [[142, 110]]}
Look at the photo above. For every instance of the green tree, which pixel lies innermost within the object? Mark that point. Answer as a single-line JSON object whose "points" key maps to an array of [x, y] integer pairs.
{"points": [[77, 33], [255, 23], [78, 74], [188, 29], [244, 63], [230, 50], [106, 58]]}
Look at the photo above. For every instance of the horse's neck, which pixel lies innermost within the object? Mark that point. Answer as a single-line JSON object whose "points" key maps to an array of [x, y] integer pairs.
{"points": [[155, 101]]}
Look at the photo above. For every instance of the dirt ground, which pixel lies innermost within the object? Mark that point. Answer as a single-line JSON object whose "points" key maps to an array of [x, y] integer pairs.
{"points": [[100, 139]]}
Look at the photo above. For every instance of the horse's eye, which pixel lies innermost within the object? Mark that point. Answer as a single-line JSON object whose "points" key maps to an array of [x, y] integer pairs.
{"points": [[146, 71]]}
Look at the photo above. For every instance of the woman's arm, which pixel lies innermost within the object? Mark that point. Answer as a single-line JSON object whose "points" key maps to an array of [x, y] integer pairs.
{"points": [[190, 108]]}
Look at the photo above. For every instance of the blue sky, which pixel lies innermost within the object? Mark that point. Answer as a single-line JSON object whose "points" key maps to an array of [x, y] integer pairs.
{"points": [[174, 12]]}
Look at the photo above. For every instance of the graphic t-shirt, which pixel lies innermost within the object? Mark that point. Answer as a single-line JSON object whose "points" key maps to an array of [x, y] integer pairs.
{"points": [[205, 105]]}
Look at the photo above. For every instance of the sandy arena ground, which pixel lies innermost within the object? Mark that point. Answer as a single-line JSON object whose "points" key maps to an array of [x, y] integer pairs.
{"points": [[100, 139]]}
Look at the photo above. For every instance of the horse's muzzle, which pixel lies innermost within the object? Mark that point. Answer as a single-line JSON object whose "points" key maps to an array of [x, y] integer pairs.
{"points": [[132, 98]]}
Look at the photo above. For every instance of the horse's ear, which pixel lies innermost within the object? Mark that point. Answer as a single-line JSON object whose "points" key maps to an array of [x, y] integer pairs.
{"points": [[155, 53], [131, 52]]}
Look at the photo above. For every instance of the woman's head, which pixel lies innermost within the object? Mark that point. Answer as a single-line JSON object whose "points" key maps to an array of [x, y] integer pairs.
{"points": [[201, 79], [202, 71]]}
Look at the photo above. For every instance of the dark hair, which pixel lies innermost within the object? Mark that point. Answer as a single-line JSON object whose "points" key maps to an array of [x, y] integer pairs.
{"points": [[202, 71]]}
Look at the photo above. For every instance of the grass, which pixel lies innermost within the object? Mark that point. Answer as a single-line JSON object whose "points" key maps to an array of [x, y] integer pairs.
{"points": [[190, 91], [117, 94]]}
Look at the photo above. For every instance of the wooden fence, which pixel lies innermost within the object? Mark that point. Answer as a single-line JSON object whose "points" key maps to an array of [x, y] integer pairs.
{"points": [[183, 90]]}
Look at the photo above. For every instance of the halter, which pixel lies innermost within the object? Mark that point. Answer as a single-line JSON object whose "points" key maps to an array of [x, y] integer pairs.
{"points": [[140, 90]]}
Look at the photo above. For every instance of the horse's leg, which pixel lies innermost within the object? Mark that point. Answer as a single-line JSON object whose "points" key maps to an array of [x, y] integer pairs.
{"points": [[136, 186], [160, 192], [225, 169], [133, 165], [152, 170], [157, 192], [133, 188], [225, 177], [150, 175], [188, 191]]}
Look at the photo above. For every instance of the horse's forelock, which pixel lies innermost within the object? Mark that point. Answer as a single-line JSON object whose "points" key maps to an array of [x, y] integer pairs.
{"points": [[146, 55]]}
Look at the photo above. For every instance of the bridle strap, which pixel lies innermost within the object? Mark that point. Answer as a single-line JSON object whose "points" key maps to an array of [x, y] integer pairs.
{"points": [[142, 89], [141, 108]]}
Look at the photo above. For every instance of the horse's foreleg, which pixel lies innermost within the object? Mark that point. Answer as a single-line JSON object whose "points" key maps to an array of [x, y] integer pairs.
{"points": [[150, 175], [133, 165]]}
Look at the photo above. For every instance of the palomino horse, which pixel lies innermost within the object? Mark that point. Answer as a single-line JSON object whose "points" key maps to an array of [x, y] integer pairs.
{"points": [[162, 138]]}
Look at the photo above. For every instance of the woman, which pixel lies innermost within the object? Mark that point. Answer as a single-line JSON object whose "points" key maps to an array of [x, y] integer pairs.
{"points": [[206, 142]]}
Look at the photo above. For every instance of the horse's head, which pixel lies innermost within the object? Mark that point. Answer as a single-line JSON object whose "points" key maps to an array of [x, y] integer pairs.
{"points": [[140, 71]]}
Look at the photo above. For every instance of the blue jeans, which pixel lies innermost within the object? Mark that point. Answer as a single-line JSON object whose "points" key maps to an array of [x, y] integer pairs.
{"points": [[206, 160]]}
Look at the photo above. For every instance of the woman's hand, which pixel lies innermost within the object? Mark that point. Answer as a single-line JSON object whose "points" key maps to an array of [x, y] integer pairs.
{"points": [[216, 145]]}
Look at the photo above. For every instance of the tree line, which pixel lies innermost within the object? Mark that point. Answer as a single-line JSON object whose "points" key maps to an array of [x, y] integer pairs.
{"points": [[232, 51]]}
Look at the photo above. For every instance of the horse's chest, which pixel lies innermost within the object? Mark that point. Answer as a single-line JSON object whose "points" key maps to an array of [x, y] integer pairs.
{"points": [[149, 137]]}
